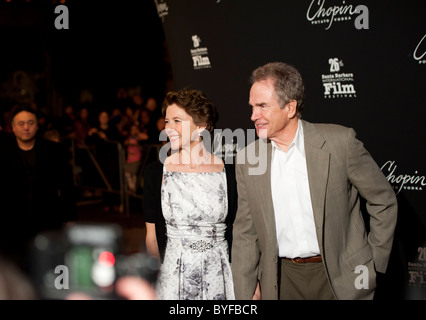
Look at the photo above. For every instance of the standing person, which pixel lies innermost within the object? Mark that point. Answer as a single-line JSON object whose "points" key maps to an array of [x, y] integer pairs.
{"points": [[299, 231], [133, 156], [81, 126], [104, 140], [103, 131], [190, 204], [148, 125], [36, 186]]}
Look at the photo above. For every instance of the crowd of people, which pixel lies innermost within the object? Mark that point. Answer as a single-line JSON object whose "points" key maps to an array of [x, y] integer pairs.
{"points": [[132, 120], [38, 192], [133, 116]]}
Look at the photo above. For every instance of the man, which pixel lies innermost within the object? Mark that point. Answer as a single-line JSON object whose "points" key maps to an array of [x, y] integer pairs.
{"points": [[299, 231], [36, 188]]}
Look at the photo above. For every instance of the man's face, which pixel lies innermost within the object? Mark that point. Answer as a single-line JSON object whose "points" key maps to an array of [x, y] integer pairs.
{"points": [[24, 126], [269, 119]]}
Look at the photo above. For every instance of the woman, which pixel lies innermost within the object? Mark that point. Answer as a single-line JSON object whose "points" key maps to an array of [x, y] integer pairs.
{"points": [[104, 131], [81, 127], [192, 199], [104, 139]]}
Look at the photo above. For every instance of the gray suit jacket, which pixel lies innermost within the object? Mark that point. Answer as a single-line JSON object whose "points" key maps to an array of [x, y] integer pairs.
{"points": [[340, 170]]}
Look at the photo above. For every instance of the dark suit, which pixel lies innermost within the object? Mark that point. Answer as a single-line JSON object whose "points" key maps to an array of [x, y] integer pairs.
{"points": [[35, 194], [340, 170], [153, 177]]}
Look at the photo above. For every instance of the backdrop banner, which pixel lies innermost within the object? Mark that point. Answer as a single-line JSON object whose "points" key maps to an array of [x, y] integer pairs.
{"points": [[364, 66]]}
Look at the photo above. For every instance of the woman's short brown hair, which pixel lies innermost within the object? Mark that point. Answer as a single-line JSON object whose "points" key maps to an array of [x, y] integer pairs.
{"points": [[195, 103]]}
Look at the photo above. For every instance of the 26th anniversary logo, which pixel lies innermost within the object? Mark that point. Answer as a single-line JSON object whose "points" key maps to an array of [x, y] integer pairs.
{"points": [[338, 84]]}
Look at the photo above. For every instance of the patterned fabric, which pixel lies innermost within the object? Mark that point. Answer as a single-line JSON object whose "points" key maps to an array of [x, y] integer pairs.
{"points": [[196, 265]]}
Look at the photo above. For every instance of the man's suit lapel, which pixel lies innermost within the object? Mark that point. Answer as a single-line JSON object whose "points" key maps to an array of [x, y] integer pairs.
{"points": [[318, 163]]}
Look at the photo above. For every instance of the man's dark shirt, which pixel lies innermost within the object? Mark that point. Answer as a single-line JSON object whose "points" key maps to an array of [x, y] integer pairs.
{"points": [[36, 193]]}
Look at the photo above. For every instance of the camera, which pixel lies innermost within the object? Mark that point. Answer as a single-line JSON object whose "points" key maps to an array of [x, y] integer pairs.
{"points": [[86, 258]]}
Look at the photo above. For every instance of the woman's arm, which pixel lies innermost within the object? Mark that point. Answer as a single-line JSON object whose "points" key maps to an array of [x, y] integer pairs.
{"points": [[151, 240]]}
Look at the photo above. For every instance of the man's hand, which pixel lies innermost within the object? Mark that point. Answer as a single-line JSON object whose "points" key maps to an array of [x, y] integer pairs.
{"points": [[257, 295]]}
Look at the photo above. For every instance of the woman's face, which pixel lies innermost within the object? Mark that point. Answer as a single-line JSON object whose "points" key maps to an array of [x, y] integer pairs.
{"points": [[180, 128], [84, 114], [103, 118], [145, 118], [134, 130]]}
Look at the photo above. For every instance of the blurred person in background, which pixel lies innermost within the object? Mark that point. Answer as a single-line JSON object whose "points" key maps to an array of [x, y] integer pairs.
{"points": [[14, 285], [104, 140], [133, 155], [148, 126], [81, 126], [66, 122], [152, 106], [36, 186], [125, 121], [103, 131]]}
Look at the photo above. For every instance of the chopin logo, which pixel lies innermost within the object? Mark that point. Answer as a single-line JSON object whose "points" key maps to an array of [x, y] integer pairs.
{"points": [[162, 9], [319, 13], [338, 84], [199, 54], [410, 182], [419, 53]]}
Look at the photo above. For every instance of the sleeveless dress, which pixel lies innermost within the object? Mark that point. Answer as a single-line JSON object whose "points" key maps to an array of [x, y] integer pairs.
{"points": [[196, 265]]}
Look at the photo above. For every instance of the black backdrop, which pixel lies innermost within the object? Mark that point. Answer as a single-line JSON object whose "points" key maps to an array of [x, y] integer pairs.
{"points": [[362, 68]]}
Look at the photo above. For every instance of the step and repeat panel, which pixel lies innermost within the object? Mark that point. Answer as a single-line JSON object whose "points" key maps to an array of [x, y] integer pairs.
{"points": [[364, 66]]}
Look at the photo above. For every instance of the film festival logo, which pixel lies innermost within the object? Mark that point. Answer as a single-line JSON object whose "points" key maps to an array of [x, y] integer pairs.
{"points": [[162, 9], [199, 54], [320, 14], [417, 269], [338, 84]]}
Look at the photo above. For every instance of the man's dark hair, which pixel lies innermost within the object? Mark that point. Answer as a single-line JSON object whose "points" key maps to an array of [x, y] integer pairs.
{"points": [[17, 108]]}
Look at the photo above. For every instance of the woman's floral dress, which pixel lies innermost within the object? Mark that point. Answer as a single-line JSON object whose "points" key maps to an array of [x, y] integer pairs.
{"points": [[196, 265]]}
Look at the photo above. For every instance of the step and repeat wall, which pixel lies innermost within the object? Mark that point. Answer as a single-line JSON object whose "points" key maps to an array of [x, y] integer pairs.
{"points": [[364, 66]]}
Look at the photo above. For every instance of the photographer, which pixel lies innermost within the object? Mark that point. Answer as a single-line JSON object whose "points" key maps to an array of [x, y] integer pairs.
{"points": [[85, 261]]}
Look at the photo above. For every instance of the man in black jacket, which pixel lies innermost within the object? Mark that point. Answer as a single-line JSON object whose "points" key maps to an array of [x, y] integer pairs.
{"points": [[36, 188]]}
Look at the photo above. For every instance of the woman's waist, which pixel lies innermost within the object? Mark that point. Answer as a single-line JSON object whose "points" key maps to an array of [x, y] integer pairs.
{"points": [[205, 229], [197, 238]]}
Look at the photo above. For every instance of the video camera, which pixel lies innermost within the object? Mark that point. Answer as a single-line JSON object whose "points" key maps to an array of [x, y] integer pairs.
{"points": [[85, 258]]}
